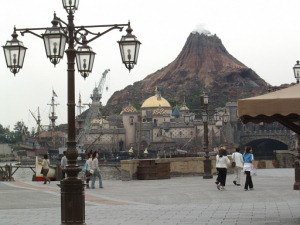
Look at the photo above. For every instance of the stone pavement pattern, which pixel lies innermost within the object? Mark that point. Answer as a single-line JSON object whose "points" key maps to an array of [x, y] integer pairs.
{"points": [[181, 200]]}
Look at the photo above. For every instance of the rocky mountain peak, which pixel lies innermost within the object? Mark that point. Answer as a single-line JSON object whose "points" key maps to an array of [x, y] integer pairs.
{"points": [[203, 64]]}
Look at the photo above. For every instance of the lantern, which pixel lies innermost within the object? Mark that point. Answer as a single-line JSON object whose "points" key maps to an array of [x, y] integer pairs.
{"points": [[55, 40], [225, 117], [296, 69], [204, 117], [14, 52], [186, 119], [85, 59], [129, 48], [70, 5]]}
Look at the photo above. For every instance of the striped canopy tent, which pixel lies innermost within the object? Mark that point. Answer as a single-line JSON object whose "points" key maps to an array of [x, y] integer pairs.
{"points": [[282, 106]]}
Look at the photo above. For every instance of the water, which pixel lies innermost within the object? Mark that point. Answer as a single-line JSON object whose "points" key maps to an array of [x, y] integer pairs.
{"points": [[22, 174]]}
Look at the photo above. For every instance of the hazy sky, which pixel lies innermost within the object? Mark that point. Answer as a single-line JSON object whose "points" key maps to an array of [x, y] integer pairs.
{"points": [[264, 35]]}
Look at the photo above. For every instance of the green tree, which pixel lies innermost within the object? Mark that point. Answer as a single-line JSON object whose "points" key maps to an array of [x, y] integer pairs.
{"points": [[4, 134], [20, 131]]}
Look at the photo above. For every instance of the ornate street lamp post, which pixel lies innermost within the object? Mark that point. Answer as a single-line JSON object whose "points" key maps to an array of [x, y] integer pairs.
{"points": [[205, 118], [55, 38], [296, 69]]}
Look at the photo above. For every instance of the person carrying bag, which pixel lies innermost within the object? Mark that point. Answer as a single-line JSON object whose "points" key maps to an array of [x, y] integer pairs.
{"points": [[248, 167], [238, 161]]}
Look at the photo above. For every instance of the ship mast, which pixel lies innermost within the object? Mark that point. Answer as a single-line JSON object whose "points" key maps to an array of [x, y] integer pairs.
{"points": [[80, 106], [52, 116]]}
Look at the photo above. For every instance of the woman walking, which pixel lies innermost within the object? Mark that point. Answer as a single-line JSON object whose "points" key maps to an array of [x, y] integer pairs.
{"points": [[237, 157], [248, 167], [222, 162], [88, 167], [96, 170], [45, 166]]}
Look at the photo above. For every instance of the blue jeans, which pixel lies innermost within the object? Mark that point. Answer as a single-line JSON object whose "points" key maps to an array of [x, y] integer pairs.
{"points": [[96, 174]]}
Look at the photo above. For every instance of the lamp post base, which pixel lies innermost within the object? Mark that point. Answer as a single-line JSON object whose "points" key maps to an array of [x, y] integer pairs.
{"points": [[207, 169], [72, 201], [297, 176]]}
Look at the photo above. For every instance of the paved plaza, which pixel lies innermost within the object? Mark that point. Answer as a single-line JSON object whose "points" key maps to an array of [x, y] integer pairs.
{"points": [[179, 200]]}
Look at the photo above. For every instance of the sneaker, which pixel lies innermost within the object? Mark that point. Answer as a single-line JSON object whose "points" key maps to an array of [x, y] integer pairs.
{"points": [[238, 185], [234, 182], [222, 188]]}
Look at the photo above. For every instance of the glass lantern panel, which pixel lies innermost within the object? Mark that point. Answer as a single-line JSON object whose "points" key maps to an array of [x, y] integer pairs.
{"points": [[225, 118], [297, 71], [22, 56], [129, 47], [205, 99], [92, 58], [204, 117], [55, 45], [186, 119], [128, 52], [70, 5], [12, 56], [85, 61]]}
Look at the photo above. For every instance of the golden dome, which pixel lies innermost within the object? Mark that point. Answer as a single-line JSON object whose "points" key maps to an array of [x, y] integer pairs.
{"points": [[155, 102], [184, 108]]}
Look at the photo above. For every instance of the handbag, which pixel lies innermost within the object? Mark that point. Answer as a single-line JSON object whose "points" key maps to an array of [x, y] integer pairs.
{"points": [[253, 172], [233, 164]]}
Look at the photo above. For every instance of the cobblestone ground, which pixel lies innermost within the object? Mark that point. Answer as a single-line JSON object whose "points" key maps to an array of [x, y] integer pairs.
{"points": [[184, 200]]}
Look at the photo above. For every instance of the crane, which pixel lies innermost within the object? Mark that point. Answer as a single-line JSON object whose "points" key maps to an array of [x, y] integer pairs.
{"points": [[94, 112]]}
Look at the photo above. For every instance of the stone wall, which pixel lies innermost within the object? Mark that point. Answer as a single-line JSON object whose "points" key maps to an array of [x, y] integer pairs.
{"points": [[286, 159], [5, 149], [188, 166], [110, 172]]}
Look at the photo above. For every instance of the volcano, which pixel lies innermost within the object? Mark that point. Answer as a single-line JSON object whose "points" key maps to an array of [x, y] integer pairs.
{"points": [[203, 64]]}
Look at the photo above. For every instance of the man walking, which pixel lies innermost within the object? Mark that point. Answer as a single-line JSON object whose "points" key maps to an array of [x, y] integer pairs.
{"points": [[237, 157], [63, 164]]}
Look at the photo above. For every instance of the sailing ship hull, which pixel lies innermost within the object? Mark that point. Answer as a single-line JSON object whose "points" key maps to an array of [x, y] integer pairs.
{"points": [[39, 175]]}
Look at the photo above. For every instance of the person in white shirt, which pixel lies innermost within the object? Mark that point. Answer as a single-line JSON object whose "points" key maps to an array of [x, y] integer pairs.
{"points": [[237, 157], [63, 164], [96, 171], [222, 162], [45, 166]]}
